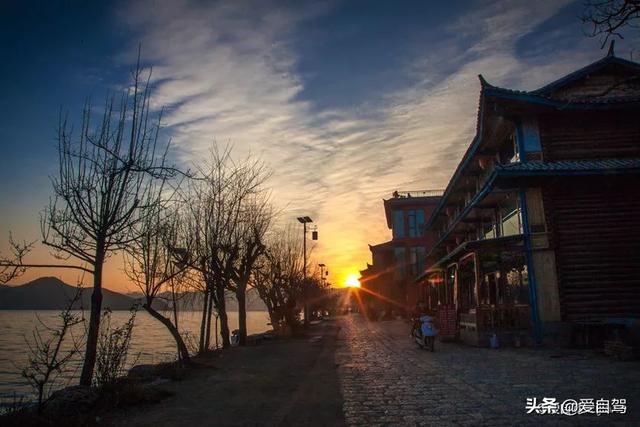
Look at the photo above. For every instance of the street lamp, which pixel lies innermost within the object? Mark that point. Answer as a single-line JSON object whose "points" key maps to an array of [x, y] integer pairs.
{"points": [[304, 220], [323, 273]]}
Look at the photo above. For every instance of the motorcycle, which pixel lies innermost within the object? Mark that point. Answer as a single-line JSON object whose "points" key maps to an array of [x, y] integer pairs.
{"points": [[423, 332]]}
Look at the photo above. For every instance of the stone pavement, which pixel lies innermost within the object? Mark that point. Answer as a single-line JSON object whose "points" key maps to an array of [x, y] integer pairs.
{"points": [[385, 379]]}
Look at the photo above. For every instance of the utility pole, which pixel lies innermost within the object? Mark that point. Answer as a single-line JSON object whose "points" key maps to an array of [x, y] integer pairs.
{"points": [[304, 220]]}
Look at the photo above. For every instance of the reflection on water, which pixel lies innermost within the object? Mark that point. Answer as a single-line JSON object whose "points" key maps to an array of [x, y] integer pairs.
{"points": [[151, 342]]}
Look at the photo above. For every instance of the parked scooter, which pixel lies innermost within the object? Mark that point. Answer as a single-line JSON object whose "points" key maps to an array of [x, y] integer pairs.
{"points": [[424, 332]]}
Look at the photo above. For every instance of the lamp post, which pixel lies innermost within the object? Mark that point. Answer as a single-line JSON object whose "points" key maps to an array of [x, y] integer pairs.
{"points": [[304, 220]]}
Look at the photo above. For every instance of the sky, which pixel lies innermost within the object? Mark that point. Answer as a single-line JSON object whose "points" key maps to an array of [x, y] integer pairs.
{"points": [[346, 101]]}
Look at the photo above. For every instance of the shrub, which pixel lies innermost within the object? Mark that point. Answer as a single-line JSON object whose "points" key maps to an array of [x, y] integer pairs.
{"points": [[113, 349]]}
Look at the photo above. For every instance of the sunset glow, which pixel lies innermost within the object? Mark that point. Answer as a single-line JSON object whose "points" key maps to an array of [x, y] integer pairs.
{"points": [[352, 281]]}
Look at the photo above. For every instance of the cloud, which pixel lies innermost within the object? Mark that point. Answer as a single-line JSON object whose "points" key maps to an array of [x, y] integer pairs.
{"points": [[227, 71]]}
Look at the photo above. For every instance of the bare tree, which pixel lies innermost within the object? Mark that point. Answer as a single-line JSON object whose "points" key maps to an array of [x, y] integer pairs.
{"points": [[206, 229], [222, 236], [251, 230], [607, 17], [279, 279], [155, 264], [102, 189], [49, 356]]}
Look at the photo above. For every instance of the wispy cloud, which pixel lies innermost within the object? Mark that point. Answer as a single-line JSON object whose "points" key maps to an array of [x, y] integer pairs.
{"points": [[228, 71]]}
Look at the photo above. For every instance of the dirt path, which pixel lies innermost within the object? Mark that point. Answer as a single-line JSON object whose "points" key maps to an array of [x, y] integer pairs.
{"points": [[292, 382]]}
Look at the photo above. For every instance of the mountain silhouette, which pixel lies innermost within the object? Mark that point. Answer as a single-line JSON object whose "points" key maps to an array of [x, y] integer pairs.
{"points": [[51, 293], [194, 300]]}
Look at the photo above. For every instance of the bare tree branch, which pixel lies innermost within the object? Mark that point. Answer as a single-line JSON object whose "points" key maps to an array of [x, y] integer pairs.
{"points": [[13, 267], [607, 17]]}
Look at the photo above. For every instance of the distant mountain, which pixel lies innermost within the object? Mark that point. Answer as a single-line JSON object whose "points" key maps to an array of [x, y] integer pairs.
{"points": [[193, 300], [50, 293]]}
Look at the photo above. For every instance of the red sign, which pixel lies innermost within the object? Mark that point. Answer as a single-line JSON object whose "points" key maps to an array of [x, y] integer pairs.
{"points": [[447, 321]]}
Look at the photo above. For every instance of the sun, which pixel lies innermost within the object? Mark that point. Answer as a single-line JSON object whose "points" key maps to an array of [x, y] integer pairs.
{"points": [[352, 281]]}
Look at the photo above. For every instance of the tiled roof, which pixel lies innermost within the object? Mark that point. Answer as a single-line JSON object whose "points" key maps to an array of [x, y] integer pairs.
{"points": [[545, 93], [571, 166], [491, 90], [540, 96], [595, 66]]}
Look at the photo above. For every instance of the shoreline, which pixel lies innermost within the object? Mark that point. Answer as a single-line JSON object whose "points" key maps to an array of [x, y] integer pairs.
{"points": [[277, 380], [151, 344]]}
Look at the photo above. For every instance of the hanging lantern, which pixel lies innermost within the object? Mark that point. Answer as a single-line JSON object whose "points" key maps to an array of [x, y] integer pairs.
{"points": [[314, 235]]}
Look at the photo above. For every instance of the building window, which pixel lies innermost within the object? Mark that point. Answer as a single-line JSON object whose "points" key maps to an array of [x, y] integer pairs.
{"points": [[467, 283], [445, 293], [398, 224], [416, 222], [434, 281], [489, 230], [510, 152], [517, 286], [417, 255], [401, 262], [511, 223]]}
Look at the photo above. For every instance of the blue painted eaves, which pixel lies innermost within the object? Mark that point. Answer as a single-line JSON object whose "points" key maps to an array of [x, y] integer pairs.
{"points": [[570, 167], [538, 168]]}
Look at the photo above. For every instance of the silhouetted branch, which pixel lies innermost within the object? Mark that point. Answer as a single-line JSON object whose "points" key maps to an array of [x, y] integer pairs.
{"points": [[13, 267], [47, 357], [608, 17], [151, 265]]}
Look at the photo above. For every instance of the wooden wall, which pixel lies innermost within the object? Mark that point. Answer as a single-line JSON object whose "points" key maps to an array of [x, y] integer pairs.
{"points": [[592, 135], [595, 229]]}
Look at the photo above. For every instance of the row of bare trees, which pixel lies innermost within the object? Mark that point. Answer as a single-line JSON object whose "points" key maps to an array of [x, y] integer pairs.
{"points": [[209, 231]]}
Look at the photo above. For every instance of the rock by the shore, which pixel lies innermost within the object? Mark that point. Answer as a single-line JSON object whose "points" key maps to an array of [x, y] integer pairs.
{"points": [[71, 401], [143, 372]]}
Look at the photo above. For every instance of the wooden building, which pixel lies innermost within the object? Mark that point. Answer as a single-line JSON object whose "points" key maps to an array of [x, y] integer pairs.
{"points": [[538, 230]]}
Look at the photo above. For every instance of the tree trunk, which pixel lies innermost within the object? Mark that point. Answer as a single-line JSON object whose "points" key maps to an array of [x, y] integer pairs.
{"points": [[203, 323], [175, 307], [216, 332], [40, 397], [224, 321], [94, 322], [182, 348], [207, 342], [241, 296], [175, 316], [273, 318]]}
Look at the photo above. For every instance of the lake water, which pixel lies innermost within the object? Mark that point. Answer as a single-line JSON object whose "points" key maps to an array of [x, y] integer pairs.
{"points": [[151, 342]]}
